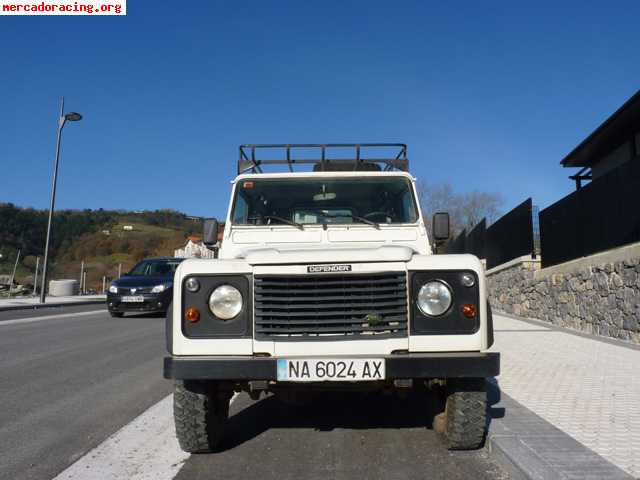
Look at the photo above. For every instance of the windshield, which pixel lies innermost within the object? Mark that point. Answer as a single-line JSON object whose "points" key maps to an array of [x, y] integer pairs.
{"points": [[301, 201], [155, 268]]}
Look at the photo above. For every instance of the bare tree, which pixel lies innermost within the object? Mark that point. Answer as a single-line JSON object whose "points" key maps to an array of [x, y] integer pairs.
{"points": [[438, 198], [475, 206], [466, 210]]}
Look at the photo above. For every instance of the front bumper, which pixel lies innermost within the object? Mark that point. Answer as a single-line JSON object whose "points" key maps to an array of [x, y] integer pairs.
{"points": [[412, 365], [153, 302]]}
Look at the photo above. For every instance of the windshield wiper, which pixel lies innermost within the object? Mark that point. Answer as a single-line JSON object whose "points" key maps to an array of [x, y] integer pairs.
{"points": [[284, 220], [355, 217]]}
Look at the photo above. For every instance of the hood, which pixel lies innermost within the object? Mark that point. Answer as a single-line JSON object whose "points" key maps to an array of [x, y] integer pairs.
{"points": [[141, 281], [269, 256]]}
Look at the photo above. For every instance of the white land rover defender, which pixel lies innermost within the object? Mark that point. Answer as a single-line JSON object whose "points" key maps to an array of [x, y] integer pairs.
{"points": [[327, 279]]}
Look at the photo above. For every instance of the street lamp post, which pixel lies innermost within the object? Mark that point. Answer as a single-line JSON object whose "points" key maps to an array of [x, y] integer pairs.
{"points": [[62, 119]]}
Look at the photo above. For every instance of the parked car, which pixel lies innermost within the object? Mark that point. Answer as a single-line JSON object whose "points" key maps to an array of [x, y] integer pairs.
{"points": [[147, 288]]}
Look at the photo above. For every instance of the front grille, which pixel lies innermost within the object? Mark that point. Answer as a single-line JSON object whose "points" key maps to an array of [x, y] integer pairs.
{"points": [[358, 305], [138, 290]]}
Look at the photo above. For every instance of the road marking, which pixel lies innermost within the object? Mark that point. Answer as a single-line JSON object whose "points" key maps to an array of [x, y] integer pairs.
{"points": [[146, 448], [49, 317]]}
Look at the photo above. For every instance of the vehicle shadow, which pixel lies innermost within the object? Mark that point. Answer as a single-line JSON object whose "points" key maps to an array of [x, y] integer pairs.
{"points": [[343, 410], [332, 410]]}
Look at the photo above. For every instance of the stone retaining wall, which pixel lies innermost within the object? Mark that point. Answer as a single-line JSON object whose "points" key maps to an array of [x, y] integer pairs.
{"points": [[599, 294]]}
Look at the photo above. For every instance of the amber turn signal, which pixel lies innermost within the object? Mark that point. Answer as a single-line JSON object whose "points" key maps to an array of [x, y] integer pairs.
{"points": [[469, 310], [192, 315]]}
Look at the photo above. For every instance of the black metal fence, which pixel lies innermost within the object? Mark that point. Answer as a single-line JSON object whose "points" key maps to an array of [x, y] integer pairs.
{"points": [[601, 215], [456, 245], [510, 237], [475, 242]]}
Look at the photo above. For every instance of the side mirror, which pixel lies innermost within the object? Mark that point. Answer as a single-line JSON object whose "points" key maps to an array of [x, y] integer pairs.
{"points": [[210, 232], [440, 226]]}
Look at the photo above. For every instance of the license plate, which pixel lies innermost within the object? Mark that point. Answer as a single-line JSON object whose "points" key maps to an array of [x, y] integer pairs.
{"points": [[331, 369], [132, 299]]}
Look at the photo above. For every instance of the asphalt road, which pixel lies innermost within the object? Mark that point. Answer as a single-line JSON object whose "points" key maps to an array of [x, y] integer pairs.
{"points": [[338, 436], [69, 382]]}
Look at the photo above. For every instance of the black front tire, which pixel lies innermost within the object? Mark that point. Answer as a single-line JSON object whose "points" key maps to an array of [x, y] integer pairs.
{"points": [[116, 314], [464, 420], [200, 411]]}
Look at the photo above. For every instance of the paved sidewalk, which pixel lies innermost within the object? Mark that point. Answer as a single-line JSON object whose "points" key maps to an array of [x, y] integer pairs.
{"points": [[588, 388], [34, 302]]}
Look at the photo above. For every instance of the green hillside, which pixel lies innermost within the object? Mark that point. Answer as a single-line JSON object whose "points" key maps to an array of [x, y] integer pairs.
{"points": [[97, 237]]}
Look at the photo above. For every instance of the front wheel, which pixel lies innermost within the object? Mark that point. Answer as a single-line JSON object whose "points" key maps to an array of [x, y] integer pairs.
{"points": [[463, 422], [200, 412]]}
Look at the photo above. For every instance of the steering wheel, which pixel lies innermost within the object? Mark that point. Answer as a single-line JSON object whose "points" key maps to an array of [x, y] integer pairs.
{"points": [[376, 214]]}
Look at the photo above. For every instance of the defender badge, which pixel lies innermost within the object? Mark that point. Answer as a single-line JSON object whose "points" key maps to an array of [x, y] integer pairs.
{"points": [[328, 268]]}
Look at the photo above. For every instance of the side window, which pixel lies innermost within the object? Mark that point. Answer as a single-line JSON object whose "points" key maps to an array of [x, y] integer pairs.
{"points": [[159, 268], [240, 211]]}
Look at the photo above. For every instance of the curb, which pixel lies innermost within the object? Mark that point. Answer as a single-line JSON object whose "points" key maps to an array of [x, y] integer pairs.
{"points": [[530, 448], [39, 306]]}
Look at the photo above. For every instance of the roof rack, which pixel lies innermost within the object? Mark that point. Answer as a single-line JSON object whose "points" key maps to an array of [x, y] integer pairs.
{"points": [[250, 160]]}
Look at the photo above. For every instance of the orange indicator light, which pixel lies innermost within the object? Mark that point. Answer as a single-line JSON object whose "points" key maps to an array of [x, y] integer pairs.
{"points": [[469, 310], [192, 315]]}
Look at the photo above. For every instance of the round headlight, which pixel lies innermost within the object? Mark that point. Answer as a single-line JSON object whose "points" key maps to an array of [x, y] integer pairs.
{"points": [[225, 302], [113, 289], [434, 298], [192, 284], [159, 288]]}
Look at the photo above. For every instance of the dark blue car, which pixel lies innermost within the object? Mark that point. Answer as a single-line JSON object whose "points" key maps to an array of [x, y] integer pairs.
{"points": [[147, 288]]}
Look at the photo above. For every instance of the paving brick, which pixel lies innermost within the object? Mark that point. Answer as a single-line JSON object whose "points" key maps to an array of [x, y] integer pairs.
{"points": [[589, 389]]}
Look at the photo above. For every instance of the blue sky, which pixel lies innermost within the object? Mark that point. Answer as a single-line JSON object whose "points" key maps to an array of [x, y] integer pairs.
{"points": [[488, 95]]}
